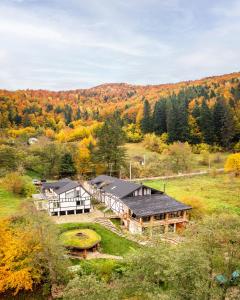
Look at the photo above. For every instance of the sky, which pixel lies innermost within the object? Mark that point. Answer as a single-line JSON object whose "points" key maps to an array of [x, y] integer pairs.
{"points": [[70, 44]]}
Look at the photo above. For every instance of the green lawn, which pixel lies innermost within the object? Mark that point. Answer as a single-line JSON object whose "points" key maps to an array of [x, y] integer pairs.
{"points": [[111, 243], [220, 193], [9, 203]]}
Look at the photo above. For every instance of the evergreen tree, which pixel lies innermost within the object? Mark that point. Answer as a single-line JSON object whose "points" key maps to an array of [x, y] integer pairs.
{"points": [[177, 119], [206, 123], [146, 123], [223, 123], [67, 167], [68, 114], [78, 114], [110, 141], [171, 121], [160, 117]]}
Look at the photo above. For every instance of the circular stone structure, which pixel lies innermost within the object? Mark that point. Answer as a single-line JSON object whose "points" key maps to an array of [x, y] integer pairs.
{"points": [[80, 240]]}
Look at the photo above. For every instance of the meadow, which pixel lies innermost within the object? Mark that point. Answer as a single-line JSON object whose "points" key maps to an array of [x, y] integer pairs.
{"points": [[220, 193], [136, 150], [9, 203]]}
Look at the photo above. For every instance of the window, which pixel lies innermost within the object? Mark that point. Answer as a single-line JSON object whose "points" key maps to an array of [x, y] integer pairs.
{"points": [[160, 217], [80, 202], [56, 204]]}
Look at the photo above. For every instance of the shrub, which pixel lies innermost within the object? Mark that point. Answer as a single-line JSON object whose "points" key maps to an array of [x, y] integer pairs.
{"points": [[197, 149], [178, 157], [133, 133], [156, 143], [198, 207], [237, 147], [18, 184], [205, 156], [232, 164]]}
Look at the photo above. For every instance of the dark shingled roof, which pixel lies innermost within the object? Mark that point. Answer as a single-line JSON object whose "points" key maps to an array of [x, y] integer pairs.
{"points": [[69, 186], [149, 205], [55, 184], [60, 186], [115, 186]]}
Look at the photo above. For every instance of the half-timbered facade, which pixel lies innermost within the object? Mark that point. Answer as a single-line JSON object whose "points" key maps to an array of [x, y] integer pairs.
{"points": [[63, 197], [139, 207]]}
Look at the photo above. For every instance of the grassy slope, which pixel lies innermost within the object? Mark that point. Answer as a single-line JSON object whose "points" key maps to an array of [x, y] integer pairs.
{"points": [[9, 203], [110, 243], [219, 193], [138, 149]]}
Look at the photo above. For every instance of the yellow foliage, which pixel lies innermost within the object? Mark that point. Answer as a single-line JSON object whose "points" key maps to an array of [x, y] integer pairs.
{"points": [[233, 164], [17, 249], [83, 160], [49, 133], [21, 131]]}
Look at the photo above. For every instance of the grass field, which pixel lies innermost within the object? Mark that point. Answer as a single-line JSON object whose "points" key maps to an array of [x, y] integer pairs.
{"points": [[220, 193], [217, 160], [9, 203], [111, 243]]}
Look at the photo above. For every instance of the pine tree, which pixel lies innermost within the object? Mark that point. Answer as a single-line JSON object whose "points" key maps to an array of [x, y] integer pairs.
{"points": [[110, 141], [160, 117], [223, 123], [78, 114], [67, 167], [206, 123], [172, 121], [146, 123]]}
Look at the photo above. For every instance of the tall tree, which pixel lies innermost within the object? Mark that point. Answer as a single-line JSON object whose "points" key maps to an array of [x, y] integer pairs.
{"points": [[159, 117], [67, 167], [206, 123], [146, 123], [223, 123], [110, 145]]}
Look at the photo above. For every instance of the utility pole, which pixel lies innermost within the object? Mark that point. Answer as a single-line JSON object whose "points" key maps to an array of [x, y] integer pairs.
{"points": [[130, 170], [111, 164]]}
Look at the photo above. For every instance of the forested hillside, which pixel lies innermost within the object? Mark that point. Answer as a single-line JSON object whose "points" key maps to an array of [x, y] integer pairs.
{"points": [[206, 110]]}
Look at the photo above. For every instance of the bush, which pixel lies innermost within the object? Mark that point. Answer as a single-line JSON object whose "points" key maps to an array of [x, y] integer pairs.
{"points": [[178, 157], [199, 209], [133, 133], [156, 143], [237, 147], [205, 156], [18, 184], [197, 149], [232, 164]]}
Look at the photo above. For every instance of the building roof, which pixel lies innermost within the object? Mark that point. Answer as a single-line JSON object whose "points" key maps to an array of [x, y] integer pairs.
{"points": [[155, 204], [115, 186], [69, 186], [61, 186], [55, 184]]}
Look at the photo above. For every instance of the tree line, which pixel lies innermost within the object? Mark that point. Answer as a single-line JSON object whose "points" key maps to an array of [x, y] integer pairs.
{"points": [[195, 121]]}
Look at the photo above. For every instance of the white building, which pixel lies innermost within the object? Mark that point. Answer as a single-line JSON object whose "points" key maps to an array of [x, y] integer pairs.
{"points": [[63, 197], [139, 207]]}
